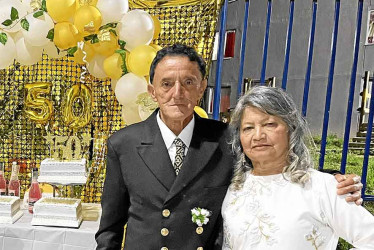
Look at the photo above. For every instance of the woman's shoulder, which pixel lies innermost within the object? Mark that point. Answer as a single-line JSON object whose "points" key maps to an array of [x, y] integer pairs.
{"points": [[322, 181]]}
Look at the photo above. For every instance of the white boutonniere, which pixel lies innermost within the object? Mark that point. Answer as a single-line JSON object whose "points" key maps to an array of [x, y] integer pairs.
{"points": [[200, 216]]}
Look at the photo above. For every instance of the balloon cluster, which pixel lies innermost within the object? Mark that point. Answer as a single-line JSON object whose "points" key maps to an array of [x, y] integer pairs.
{"points": [[102, 34]]}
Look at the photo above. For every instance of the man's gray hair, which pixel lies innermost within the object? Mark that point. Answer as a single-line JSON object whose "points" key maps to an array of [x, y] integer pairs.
{"points": [[276, 102]]}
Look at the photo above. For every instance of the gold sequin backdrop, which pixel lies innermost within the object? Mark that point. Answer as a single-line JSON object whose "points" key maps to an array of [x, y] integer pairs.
{"points": [[190, 22]]}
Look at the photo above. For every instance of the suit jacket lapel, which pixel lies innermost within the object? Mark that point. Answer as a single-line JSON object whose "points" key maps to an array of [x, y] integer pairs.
{"points": [[154, 153], [199, 153]]}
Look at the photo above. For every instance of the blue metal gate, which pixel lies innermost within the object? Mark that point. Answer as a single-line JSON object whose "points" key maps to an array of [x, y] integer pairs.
{"points": [[288, 47]]}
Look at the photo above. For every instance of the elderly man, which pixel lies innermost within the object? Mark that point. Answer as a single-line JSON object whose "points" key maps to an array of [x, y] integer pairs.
{"points": [[173, 163]]}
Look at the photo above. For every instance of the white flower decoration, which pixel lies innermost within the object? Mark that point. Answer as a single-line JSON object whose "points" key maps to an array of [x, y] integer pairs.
{"points": [[200, 216]]}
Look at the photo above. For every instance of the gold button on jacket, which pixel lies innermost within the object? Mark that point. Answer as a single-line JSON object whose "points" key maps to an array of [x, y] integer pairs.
{"points": [[164, 232], [164, 248], [199, 230], [199, 248], [166, 213]]}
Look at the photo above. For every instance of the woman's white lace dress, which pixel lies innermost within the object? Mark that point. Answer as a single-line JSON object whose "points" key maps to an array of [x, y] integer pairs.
{"points": [[270, 212]]}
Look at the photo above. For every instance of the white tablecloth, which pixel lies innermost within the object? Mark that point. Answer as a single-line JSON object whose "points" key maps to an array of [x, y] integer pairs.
{"points": [[22, 236]]}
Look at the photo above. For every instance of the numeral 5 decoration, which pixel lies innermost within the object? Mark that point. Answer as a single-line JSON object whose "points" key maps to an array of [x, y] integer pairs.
{"points": [[76, 108], [37, 107]]}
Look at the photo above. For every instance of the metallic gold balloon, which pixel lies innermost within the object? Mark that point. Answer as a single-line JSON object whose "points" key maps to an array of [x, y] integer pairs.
{"points": [[60, 10], [78, 55], [80, 3], [108, 43], [113, 66], [66, 35], [76, 110], [38, 108], [140, 59], [201, 112], [87, 19], [157, 24], [155, 46]]}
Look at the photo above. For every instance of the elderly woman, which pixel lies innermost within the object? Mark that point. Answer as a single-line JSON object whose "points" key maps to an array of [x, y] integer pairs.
{"points": [[276, 199]]}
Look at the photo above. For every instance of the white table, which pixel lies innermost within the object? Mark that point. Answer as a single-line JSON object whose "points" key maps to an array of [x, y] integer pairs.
{"points": [[22, 236]]}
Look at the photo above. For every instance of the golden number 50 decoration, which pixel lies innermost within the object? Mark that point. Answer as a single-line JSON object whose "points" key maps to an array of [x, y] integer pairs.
{"points": [[81, 96], [62, 146], [37, 107], [40, 109]]}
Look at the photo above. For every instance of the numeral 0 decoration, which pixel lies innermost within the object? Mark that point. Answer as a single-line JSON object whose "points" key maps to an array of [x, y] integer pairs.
{"points": [[78, 94]]}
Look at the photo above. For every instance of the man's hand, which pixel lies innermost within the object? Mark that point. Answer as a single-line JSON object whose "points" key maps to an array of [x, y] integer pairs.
{"points": [[350, 184]]}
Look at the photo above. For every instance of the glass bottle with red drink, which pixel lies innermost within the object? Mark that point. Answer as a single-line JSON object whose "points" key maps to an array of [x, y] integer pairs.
{"points": [[2, 180], [34, 193], [14, 185]]}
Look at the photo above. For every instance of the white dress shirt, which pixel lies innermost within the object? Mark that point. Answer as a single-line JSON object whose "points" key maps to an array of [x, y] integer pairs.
{"points": [[169, 136]]}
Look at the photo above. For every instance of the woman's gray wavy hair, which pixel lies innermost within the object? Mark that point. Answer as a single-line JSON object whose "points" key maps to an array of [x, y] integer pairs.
{"points": [[276, 102]]}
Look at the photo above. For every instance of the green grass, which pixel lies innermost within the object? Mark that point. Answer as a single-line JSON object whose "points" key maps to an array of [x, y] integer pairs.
{"points": [[333, 158]]}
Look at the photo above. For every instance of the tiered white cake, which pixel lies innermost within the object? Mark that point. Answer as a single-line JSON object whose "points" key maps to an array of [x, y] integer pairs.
{"points": [[63, 172], [10, 209], [62, 212]]}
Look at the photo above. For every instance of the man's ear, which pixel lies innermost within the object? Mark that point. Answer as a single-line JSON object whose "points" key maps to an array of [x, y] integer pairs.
{"points": [[203, 86], [151, 91]]}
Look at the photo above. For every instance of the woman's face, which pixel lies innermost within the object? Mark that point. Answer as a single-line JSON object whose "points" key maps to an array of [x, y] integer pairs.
{"points": [[264, 137]]}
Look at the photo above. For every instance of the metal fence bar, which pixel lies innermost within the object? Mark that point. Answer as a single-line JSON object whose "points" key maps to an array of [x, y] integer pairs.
{"points": [[352, 87], [288, 45], [329, 86], [217, 89], [242, 50], [310, 58], [266, 44], [369, 131]]}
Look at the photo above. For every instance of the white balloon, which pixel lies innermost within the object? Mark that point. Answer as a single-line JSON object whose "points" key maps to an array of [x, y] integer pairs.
{"points": [[5, 11], [38, 29], [129, 87], [7, 52], [95, 66], [144, 113], [51, 50], [136, 28], [112, 10], [130, 114], [26, 53]]}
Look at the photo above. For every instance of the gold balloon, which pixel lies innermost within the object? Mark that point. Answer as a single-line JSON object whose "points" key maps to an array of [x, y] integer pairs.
{"points": [[87, 19], [79, 96], [81, 3], [157, 25], [66, 35], [113, 66], [37, 107], [78, 55], [108, 43], [155, 46], [201, 112], [60, 10], [140, 59]]}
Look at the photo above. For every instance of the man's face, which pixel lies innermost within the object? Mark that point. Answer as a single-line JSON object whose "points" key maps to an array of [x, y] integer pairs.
{"points": [[177, 86]]}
